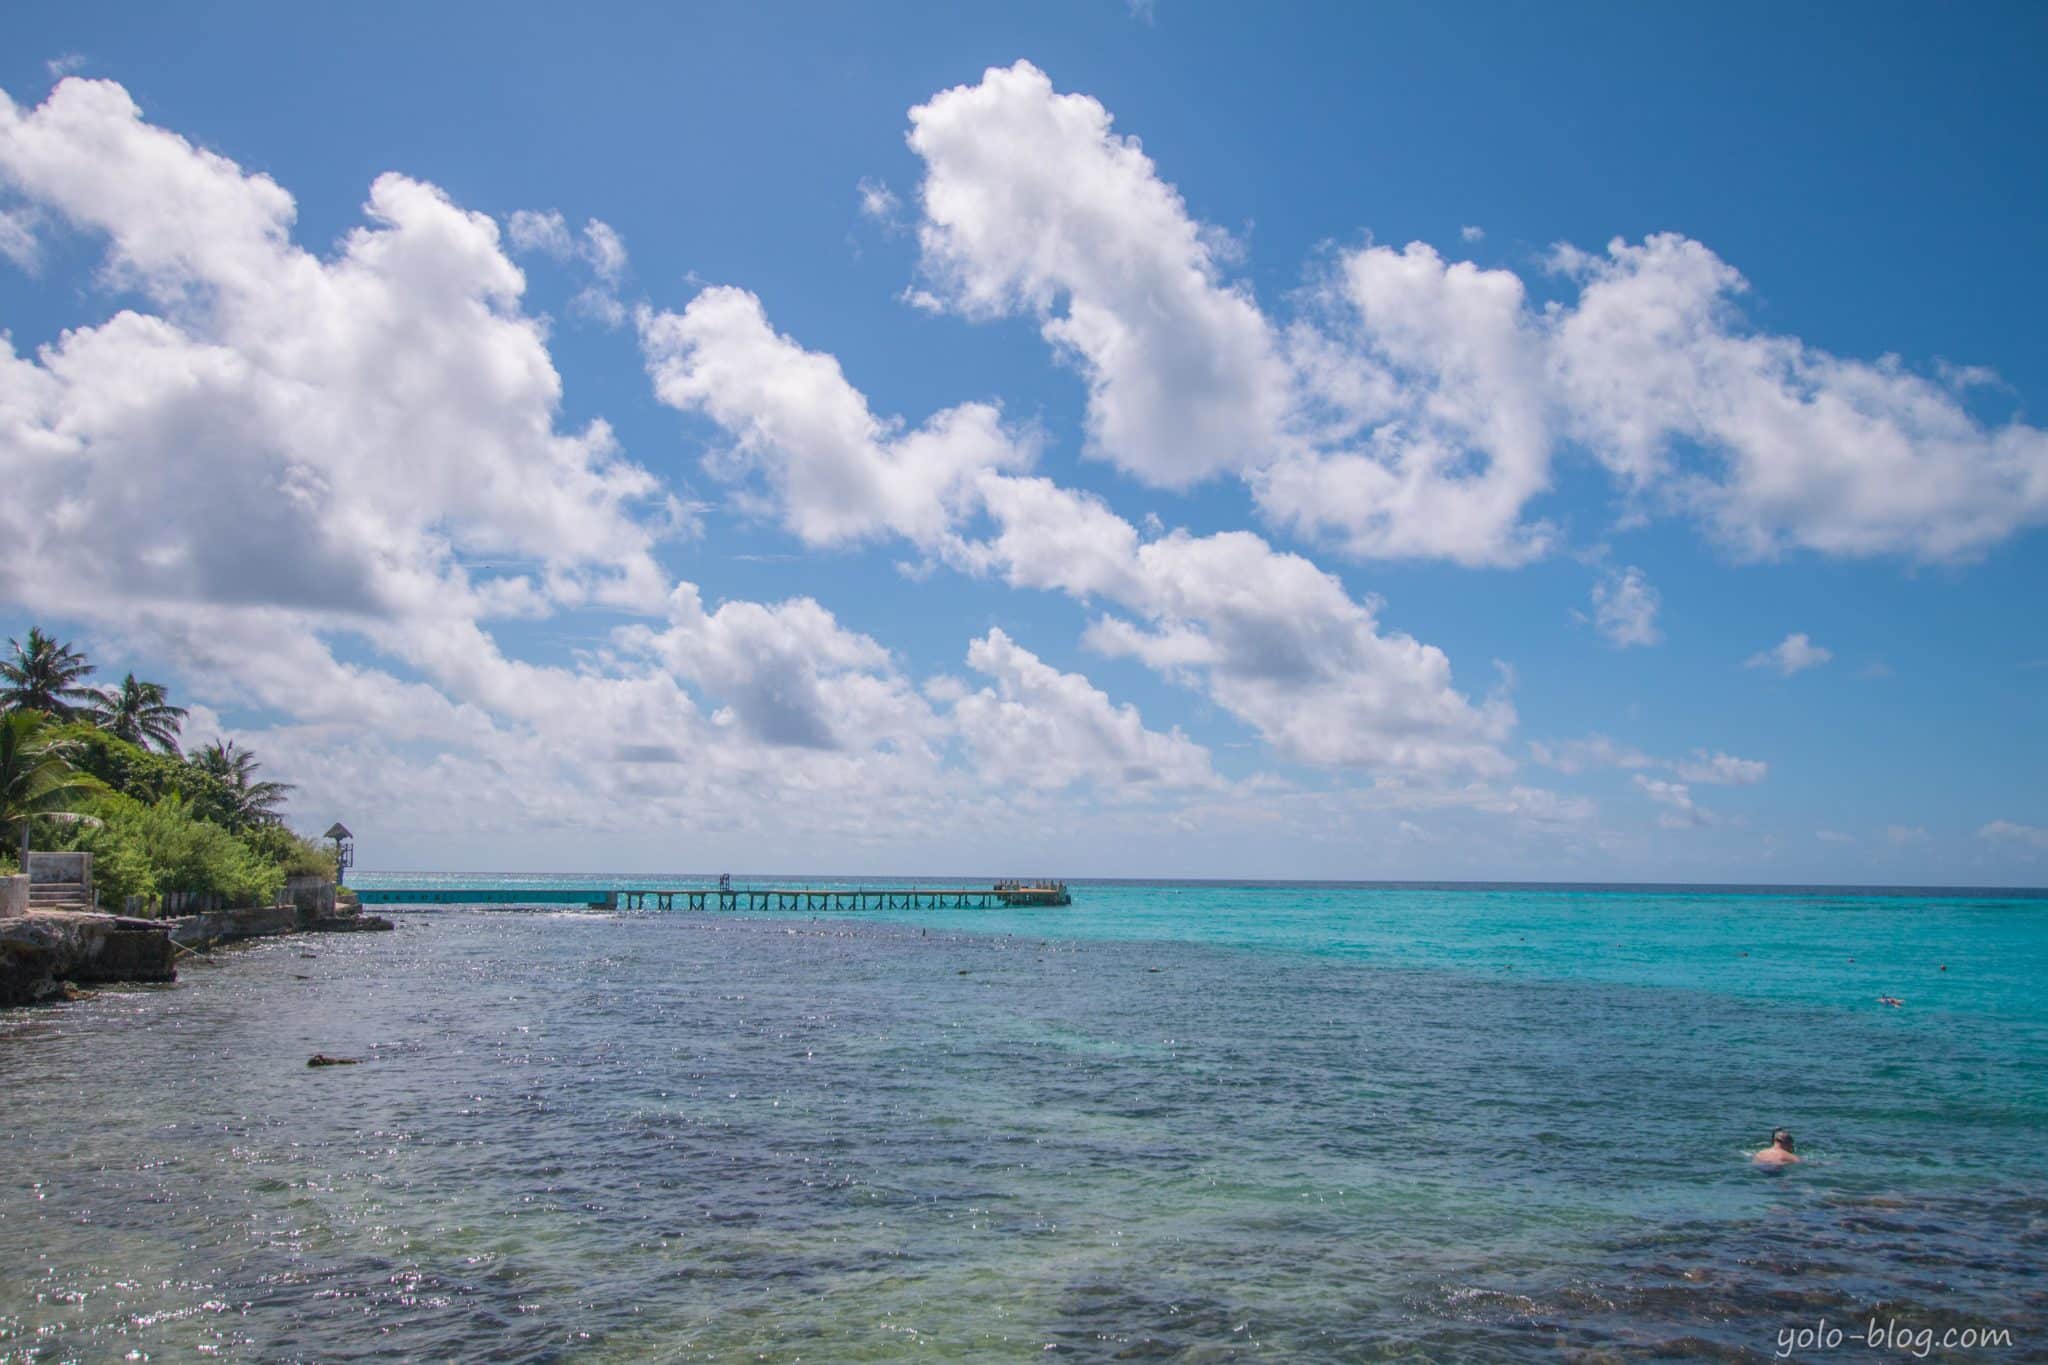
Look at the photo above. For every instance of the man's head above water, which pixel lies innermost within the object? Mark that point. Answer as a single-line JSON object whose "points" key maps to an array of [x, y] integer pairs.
{"points": [[1780, 1152]]}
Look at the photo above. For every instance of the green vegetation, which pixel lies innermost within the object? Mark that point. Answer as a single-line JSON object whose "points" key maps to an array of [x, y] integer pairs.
{"points": [[45, 676], [148, 777], [145, 850], [36, 774], [141, 713], [154, 820], [293, 854], [255, 802]]}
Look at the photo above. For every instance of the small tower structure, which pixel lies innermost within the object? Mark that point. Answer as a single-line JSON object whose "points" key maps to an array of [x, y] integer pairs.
{"points": [[344, 850]]}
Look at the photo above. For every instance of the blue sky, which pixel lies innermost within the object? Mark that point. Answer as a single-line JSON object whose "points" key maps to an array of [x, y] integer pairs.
{"points": [[1098, 480]]}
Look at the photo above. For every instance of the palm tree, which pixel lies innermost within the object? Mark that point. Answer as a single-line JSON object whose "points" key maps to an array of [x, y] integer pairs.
{"points": [[141, 713], [36, 776], [256, 803], [45, 675]]}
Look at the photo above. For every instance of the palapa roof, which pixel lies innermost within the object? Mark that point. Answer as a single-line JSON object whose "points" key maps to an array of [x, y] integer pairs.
{"points": [[337, 830]]}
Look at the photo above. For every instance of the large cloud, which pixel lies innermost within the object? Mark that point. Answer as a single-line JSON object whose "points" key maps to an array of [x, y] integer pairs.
{"points": [[1288, 651], [1040, 728], [336, 435], [1796, 447], [1271, 638], [1032, 204], [310, 482], [790, 674], [1433, 374], [1418, 406], [837, 473], [1770, 443]]}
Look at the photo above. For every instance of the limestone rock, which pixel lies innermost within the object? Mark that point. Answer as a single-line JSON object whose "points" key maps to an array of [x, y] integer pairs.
{"points": [[41, 951]]}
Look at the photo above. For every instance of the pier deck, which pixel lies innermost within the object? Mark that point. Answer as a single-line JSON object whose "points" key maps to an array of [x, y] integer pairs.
{"points": [[809, 898]]}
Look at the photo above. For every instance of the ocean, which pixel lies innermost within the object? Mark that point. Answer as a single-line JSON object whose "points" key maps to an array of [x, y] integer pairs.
{"points": [[1182, 1121]]}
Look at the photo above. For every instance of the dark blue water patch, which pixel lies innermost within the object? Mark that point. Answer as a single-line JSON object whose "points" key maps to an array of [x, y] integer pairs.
{"points": [[675, 1137]]}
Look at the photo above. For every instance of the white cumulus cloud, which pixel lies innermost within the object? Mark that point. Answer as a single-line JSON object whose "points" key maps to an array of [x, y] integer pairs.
{"points": [[1268, 636], [273, 457], [1598, 751], [2007, 831], [1798, 448], [1625, 607], [879, 202], [1419, 406], [1794, 654], [836, 472], [364, 422], [1041, 728], [1722, 769], [1032, 204], [1681, 812], [1441, 375], [599, 248], [18, 240]]}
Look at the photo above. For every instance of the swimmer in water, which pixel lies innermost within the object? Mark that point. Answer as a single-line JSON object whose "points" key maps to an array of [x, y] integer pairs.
{"points": [[1779, 1153], [1891, 1000]]}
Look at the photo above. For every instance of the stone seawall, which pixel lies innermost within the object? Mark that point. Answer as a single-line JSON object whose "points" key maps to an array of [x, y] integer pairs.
{"points": [[230, 926], [265, 921], [42, 951]]}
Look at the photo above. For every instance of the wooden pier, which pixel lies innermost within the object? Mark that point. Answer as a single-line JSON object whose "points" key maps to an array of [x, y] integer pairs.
{"points": [[1000, 895]]}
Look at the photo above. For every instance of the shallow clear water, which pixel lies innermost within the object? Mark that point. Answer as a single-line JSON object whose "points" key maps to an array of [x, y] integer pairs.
{"points": [[1184, 1122]]}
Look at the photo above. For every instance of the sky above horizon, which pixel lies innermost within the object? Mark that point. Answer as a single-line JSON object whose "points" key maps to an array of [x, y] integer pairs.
{"points": [[1441, 442]]}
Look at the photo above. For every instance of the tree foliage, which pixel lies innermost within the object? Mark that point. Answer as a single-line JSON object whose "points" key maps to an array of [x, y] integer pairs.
{"points": [[256, 802], [294, 854], [37, 776], [45, 675], [150, 777], [141, 713]]}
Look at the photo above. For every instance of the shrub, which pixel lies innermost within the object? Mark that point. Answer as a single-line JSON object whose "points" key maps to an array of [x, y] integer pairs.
{"points": [[8, 867], [120, 865], [146, 850], [294, 854]]}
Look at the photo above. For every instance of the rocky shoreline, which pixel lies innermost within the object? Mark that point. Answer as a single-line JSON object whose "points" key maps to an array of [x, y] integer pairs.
{"points": [[45, 955]]}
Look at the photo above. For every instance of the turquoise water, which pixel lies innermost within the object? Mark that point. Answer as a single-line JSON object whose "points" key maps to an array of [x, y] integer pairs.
{"points": [[1173, 1121]]}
